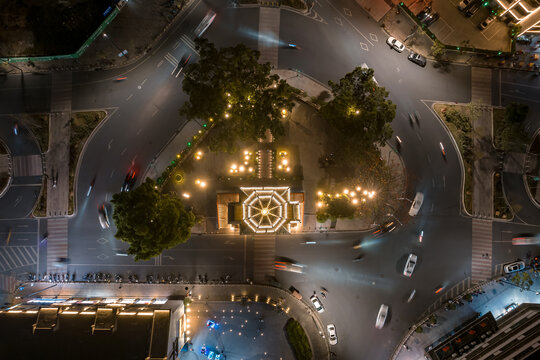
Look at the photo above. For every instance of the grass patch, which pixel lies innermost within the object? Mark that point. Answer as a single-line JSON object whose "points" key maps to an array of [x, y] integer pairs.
{"points": [[82, 125], [40, 210], [456, 117], [298, 340], [508, 135], [40, 129], [500, 207]]}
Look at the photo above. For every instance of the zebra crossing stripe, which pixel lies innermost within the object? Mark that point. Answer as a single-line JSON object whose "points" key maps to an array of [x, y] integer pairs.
{"points": [[481, 267], [7, 283], [190, 43], [171, 59], [264, 253], [57, 243]]}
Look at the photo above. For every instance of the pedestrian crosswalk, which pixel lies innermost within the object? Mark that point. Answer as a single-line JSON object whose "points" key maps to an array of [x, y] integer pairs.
{"points": [[57, 244], [481, 250], [264, 254], [7, 283], [481, 85], [61, 91], [29, 165], [13, 257], [269, 35]]}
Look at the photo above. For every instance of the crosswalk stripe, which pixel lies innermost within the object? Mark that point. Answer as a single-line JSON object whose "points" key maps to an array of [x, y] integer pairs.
{"points": [[481, 245], [264, 253], [171, 59], [12, 257], [190, 44], [57, 244]]}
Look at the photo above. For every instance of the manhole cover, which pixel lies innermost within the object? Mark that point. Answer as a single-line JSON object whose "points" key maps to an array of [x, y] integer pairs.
{"points": [[102, 257], [102, 241]]}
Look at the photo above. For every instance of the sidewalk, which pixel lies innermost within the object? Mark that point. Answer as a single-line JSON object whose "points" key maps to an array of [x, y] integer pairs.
{"points": [[495, 298]]}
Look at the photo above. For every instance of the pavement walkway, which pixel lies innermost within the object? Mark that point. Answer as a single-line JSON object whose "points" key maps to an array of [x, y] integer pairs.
{"points": [[497, 295]]}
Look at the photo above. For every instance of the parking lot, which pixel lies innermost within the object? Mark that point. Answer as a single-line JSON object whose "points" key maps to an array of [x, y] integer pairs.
{"points": [[251, 331]]}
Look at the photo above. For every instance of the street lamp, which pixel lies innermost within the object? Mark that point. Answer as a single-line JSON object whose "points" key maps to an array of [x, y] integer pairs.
{"points": [[116, 46]]}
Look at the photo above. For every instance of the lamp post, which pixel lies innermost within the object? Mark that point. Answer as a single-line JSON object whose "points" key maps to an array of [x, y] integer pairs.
{"points": [[116, 46]]}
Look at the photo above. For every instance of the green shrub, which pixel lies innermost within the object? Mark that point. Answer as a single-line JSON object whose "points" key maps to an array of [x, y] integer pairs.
{"points": [[298, 340]]}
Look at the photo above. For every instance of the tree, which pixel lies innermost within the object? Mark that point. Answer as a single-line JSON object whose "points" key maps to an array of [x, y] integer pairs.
{"points": [[438, 49], [336, 208], [522, 280], [230, 88], [360, 112], [150, 221], [516, 113]]}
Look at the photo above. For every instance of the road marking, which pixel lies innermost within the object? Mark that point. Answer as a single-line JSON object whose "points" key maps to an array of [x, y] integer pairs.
{"points": [[112, 172], [428, 158], [160, 63], [373, 37], [338, 21], [123, 151], [155, 112], [176, 45], [143, 82], [347, 12], [432, 207], [110, 143], [444, 181], [171, 59], [189, 43], [364, 46], [418, 136], [433, 183], [139, 131], [351, 24], [129, 97], [17, 200], [22, 225]]}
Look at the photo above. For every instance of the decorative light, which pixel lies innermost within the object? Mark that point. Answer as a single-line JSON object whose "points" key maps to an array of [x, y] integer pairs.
{"points": [[246, 157], [197, 181], [320, 193], [227, 115], [229, 106], [242, 168], [285, 162], [279, 167], [250, 169], [357, 112], [355, 201], [365, 192], [233, 166], [353, 194], [288, 169], [186, 195], [320, 204], [358, 188], [203, 184], [345, 191]]}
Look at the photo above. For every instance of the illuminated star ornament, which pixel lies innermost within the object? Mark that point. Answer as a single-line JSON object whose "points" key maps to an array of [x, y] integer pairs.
{"points": [[269, 209]]}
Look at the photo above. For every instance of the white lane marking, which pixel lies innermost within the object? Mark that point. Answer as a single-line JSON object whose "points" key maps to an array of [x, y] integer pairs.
{"points": [[171, 59], [176, 45], [160, 63], [190, 44], [110, 143], [347, 12], [139, 131], [338, 21], [129, 97], [418, 136], [22, 225], [433, 183], [432, 207], [444, 181], [428, 158], [155, 112], [112, 172], [123, 151], [143, 82], [354, 27]]}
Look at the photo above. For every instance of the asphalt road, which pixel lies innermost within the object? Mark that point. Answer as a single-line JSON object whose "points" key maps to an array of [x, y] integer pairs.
{"points": [[143, 116]]}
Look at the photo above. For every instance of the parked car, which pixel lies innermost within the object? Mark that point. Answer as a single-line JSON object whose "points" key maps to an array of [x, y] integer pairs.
{"points": [[422, 15], [484, 24], [332, 337], [289, 266], [381, 316], [430, 19], [417, 204], [471, 10], [104, 215], [316, 303], [395, 44], [409, 266], [514, 266], [463, 4], [417, 59]]}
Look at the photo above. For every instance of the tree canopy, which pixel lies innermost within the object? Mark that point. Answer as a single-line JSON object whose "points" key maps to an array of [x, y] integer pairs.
{"points": [[360, 112], [150, 221], [230, 88]]}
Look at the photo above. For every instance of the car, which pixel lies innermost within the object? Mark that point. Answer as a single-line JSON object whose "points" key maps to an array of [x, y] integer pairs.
{"points": [[416, 204], [332, 337], [211, 355], [422, 15], [181, 65], [484, 24], [514, 266], [430, 19], [104, 216], [509, 308], [289, 266], [526, 239], [381, 316], [417, 59], [205, 23], [316, 303], [471, 10], [439, 288], [395, 44], [409, 266], [386, 227], [211, 324], [130, 180], [463, 4]]}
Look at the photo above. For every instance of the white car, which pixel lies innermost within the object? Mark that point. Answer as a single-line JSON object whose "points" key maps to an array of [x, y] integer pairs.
{"points": [[332, 337], [417, 204], [289, 266], [395, 44], [104, 216], [463, 4], [381, 316], [514, 266], [205, 23], [409, 266], [317, 303]]}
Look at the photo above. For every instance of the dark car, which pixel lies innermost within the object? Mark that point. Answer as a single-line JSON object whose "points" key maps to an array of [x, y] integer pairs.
{"points": [[430, 19], [422, 15], [386, 227], [417, 59], [129, 181], [472, 9], [181, 65]]}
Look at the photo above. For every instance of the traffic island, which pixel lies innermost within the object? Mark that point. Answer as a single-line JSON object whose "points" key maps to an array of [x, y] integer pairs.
{"points": [[5, 167], [298, 340]]}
